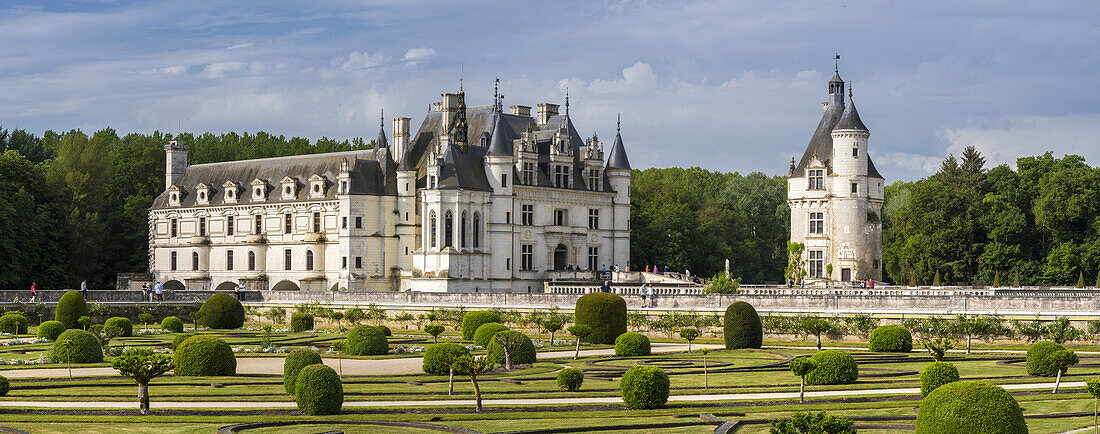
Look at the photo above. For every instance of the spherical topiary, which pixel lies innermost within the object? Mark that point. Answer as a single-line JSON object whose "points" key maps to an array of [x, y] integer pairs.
{"points": [[172, 324], [631, 344], [937, 374], [439, 357], [741, 327], [570, 379], [318, 390], [50, 330], [472, 320], [300, 322], [385, 330], [4, 385], [522, 354], [14, 323], [123, 324], [70, 308], [1037, 363], [293, 364], [486, 331], [970, 407], [833, 367], [84, 348], [176, 341], [604, 313], [366, 340], [222, 311], [644, 387], [891, 339], [204, 356]]}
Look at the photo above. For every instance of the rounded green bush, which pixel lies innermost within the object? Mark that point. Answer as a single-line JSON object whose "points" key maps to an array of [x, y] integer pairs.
{"points": [[833, 367], [937, 374], [644, 387], [741, 327], [385, 330], [318, 390], [300, 322], [172, 324], [1037, 358], [472, 320], [523, 355], [485, 333], [50, 330], [5, 386], [631, 344], [364, 340], [85, 348], [605, 315], [14, 323], [439, 357], [204, 356], [970, 407], [124, 324], [222, 311], [176, 341], [891, 339], [70, 308], [570, 379], [294, 362]]}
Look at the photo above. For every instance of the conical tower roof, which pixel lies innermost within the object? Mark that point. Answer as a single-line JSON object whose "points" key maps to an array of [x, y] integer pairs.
{"points": [[850, 119], [500, 144], [617, 159]]}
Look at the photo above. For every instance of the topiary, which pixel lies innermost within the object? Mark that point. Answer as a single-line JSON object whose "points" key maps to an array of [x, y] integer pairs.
{"points": [[644, 387], [121, 323], [14, 323], [631, 344], [439, 357], [70, 308], [176, 341], [891, 339], [222, 311], [605, 315], [300, 322], [741, 327], [318, 390], [570, 379], [204, 356], [172, 324], [294, 362], [385, 330], [5, 386], [937, 374], [833, 367], [1037, 360], [485, 333], [970, 407], [50, 330], [472, 320], [523, 354], [366, 340], [85, 348]]}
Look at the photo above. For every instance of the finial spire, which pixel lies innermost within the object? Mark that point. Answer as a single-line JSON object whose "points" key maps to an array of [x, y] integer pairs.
{"points": [[851, 84], [382, 118], [566, 101], [461, 75], [836, 63], [619, 123]]}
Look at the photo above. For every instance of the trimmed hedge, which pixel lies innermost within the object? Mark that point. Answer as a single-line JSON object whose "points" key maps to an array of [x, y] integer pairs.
{"points": [[318, 390], [644, 387], [970, 407], [937, 374], [891, 339], [570, 379], [486, 332], [125, 324], [300, 322], [70, 308], [5, 386], [741, 327], [365, 340], [1037, 358], [605, 315], [204, 356], [524, 355], [472, 320], [14, 323], [294, 362], [438, 357], [86, 348], [50, 330], [172, 324], [222, 312], [385, 330], [631, 344], [833, 367], [176, 341]]}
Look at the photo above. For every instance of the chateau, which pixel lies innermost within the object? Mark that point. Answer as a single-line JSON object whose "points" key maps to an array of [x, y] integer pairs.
{"points": [[836, 195], [478, 200]]}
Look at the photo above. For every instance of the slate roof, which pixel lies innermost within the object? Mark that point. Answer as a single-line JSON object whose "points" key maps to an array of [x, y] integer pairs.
{"points": [[501, 139], [617, 158], [821, 143], [850, 119]]}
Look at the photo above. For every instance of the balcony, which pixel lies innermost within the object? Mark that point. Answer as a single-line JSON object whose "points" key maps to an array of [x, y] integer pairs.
{"points": [[199, 240], [315, 237], [256, 239]]}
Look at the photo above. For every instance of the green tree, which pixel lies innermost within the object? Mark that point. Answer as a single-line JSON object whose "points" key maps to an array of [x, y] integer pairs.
{"points": [[434, 330], [816, 326], [1061, 360], [1093, 386], [143, 365], [473, 367], [802, 366], [689, 334], [580, 331], [795, 265]]}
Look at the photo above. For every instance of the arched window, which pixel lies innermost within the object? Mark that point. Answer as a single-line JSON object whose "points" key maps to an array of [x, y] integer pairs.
{"points": [[462, 227], [477, 230], [251, 261], [309, 260], [448, 230], [431, 229], [194, 261]]}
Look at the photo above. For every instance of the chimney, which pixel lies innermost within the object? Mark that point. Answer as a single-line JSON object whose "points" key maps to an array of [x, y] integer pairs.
{"points": [[546, 111], [175, 162], [521, 110], [400, 136], [449, 106]]}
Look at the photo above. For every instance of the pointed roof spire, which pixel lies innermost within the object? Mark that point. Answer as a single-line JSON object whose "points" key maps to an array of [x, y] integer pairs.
{"points": [[406, 163], [498, 103], [617, 158], [566, 101], [850, 119], [500, 144], [382, 142], [618, 122]]}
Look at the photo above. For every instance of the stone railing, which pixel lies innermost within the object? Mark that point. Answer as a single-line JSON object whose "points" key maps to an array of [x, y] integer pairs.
{"points": [[634, 289]]}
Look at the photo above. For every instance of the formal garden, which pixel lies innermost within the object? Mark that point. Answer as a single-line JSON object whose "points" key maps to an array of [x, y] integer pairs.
{"points": [[223, 366]]}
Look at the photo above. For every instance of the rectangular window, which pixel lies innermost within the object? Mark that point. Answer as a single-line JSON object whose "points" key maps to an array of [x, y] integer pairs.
{"points": [[172, 261], [503, 179], [876, 265], [817, 223], [507, 263], [529, 173], [288, 224], [593, 257], [855, 152], [528, 216], [175, 230], [508, 217], [229, 225], [202, 226], [561, 176], [288, 259], [358, 223], [559, 217], [259, 225], [358, 262], [344, 262], [343, 222], [817, 263], [817, 179], [229, 260], [593, 219], [594, 179], [527, 257], [855, 188], [316, 222]]}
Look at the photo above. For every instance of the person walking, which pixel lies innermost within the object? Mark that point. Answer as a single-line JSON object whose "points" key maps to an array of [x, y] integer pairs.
{"points": [[605, 287], [652, 297], [84, 289], [34, 293], [240, 291], [158, 289]]}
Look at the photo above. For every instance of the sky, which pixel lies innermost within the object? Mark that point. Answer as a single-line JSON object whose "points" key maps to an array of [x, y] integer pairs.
{"points": [[723, 85]]}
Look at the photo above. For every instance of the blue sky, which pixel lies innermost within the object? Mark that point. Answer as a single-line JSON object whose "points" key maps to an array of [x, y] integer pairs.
{"points": [[721, 85]]}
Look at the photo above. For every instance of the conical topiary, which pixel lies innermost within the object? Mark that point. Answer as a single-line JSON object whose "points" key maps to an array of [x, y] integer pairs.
{"points": [[1016, 281], [936, 280], [997, 279], [1097, 280], [913, 279], [1081, 279]]}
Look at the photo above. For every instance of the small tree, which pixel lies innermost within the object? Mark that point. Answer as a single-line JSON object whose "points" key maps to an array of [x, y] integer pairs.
{"points": [[85, 321], [580, 331], [509, 343], [913, 279], [1032, 330], [277, 315], [938, 347], [145, 319], [936, 280], [689, 334], [67, 346], [829, 272], [1061, 331], [354, 315], [972, 326], [704, 352], [1081, 279], [801, 367], [795, 265], [405, 318], [472, 367], [1093, 386], [375, 313], [106, 333], [265, 337], [816, 326], [1016, 280], [809, 422], [636, 320], [997, 279], [143, 365], [1061, 360], [553, 325], [336, 316], [861, 324], [435, 330], [195, 319], [722, 283]]}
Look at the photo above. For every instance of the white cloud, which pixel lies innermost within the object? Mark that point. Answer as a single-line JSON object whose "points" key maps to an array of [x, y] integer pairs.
{"points": [[915, 162], [637, 78], [219, 69], [358, 60], [746, 77], [415, 55], [173, 69], [1029, 135]]}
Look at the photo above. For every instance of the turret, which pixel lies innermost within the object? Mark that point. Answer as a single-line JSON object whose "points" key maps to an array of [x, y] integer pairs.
{"points": [[175, 162], [850, 143], [499, 158], [618, 177]]}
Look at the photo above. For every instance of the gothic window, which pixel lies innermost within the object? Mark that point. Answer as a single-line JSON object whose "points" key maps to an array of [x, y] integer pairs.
{"points": [[229, 225], [462, 229], [194, 261], [528, 216], [817, 261], [593, 218], [593, 257], [529, 173], [229, 260], [448, 230], [432, 229], [172, 261], [477, 230], [817, 179], [251, 261], [817, 223], [309, 260], [527, 257], [288, 260]]}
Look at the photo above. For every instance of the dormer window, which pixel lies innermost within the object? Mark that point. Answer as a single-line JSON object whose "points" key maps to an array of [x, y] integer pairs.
{"points": [[231, 191], [174, 195], [816, 179], [202, 194], [561, 176], [316, 186], [289, 188], [259, 190]]}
